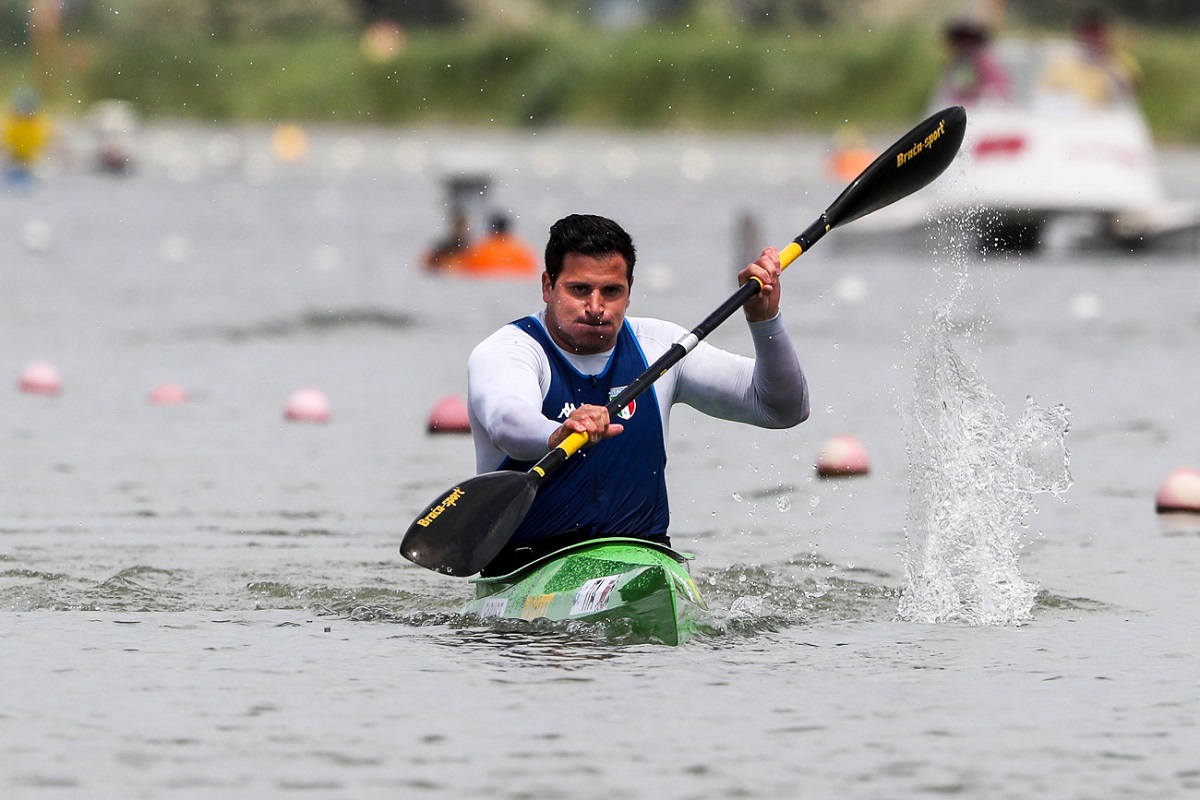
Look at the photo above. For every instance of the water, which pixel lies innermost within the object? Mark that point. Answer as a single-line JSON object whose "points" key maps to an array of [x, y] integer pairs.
{"points": [[207, 601], [972, 477]]}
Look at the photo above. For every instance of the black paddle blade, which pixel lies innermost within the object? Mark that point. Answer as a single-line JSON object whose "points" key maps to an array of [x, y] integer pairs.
{"points": [[465, 528], [910, 164]]}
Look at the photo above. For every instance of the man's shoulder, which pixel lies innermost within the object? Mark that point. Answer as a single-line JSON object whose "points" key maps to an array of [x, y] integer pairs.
{"points": [[506, 337], [654, 336]]}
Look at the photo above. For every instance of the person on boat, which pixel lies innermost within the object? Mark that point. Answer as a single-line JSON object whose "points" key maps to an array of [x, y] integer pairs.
{"points": [[1098, 74], [973, 75], [500, 253], [446, 253], [540, 379]]}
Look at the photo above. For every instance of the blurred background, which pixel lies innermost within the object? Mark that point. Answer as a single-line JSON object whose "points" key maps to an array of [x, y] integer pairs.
{"points": [[734, 65], [223, 221]]}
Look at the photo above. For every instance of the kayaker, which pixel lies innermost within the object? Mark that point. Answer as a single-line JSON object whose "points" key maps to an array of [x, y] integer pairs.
{"points": [[537, 380]]}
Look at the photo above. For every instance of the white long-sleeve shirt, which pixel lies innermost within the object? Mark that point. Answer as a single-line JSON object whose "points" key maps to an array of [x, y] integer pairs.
{"points": [[508, 376]]}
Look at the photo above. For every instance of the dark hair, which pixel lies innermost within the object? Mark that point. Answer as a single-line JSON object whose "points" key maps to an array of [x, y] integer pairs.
{"points": [[588, 235], [967, 31]]}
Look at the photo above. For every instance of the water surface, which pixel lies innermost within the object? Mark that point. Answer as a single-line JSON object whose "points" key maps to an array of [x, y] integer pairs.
{"points": [[207, 601]]}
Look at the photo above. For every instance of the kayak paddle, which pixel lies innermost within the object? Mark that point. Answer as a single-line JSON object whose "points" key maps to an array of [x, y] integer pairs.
{"points": [[467, 526]]}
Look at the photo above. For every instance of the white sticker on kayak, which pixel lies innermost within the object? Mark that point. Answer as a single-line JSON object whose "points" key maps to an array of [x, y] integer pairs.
{"points": [[593, 595], [494, 607]]}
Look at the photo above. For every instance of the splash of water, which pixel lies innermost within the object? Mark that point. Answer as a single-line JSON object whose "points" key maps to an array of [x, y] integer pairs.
{"points": [[973, 477]]}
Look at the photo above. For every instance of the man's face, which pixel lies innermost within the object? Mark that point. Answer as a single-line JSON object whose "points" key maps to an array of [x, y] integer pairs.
{"points": [[586, 306]]}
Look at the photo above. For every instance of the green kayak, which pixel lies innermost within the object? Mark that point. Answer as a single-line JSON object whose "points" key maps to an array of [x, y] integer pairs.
{"points": [[644, 584]]}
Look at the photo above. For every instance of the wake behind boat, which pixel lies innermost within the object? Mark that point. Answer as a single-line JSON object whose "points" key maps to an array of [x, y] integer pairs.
{"points": [[646, 586]]}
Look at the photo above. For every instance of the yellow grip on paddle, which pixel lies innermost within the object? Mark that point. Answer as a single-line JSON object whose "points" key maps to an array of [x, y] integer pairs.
{"points": [[789, 254], [572, 444]]}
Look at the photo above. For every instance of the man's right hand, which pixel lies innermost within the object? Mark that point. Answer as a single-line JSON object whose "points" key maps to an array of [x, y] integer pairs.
{"points": [[592, 420]]}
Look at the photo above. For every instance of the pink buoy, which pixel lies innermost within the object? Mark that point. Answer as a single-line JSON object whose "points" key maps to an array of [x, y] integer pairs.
{"points": [[167, 394], [449, 416], [307, 405], [1180, 492], [843, 455], [40, 378]]}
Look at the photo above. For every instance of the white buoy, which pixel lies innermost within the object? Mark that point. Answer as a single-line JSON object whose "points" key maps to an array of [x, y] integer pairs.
{"points": [[37, 235], [1179, 492], [851, 289], [348, 153], [1086, 305], [307, 405], [449, 416], [167, 394], [40, 378], [696, 164], [843, 455], [175, 248], [658, 277], [621, 162]]}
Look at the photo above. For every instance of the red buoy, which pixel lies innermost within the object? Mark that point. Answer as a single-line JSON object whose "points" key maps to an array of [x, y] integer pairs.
{"points": [[40, 378], [307, 405], [1180, 492], [843, 455], [167, 394], [450, 416]]}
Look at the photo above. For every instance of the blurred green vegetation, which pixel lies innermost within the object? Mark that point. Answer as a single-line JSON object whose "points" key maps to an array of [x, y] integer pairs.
{"points": [[1167, 87], [688, 74]]}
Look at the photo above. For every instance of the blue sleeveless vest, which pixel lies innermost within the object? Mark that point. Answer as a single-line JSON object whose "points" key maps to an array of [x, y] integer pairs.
{"points": [[616, 487]]}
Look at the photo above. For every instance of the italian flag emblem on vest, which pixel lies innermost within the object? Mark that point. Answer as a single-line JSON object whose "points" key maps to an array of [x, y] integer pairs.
{"points": [[627, 411]]}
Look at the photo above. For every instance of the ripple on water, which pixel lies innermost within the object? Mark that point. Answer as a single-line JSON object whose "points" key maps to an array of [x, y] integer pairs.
{"points": [[315, 322]]}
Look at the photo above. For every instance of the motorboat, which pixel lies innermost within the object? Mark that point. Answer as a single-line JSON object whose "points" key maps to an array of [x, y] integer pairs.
{"points": [[1052, 156]]}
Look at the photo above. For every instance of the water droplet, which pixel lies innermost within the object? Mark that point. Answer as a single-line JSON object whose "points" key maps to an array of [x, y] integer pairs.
{"points": [[746, 606], [737, 497], [783, 503]]}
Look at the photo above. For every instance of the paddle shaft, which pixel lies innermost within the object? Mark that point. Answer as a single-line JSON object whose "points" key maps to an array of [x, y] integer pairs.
{"points": [[675, 353], [912, 162]]}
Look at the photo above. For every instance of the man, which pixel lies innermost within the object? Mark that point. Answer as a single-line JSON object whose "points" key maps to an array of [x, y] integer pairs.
{"points": [[536, 381]]}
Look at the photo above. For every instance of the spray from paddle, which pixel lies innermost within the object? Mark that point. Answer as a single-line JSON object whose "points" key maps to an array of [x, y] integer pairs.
{"points": [[973, 476]]}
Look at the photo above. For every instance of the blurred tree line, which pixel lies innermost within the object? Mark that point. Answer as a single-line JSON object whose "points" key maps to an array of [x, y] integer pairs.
{"points": [[225, 20], [716, 64]]}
